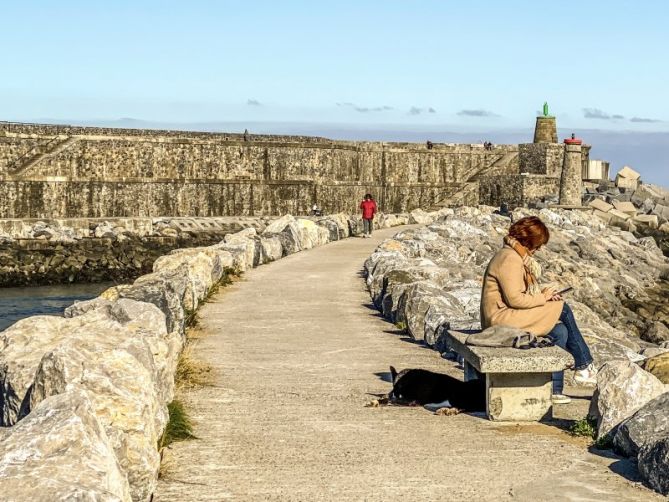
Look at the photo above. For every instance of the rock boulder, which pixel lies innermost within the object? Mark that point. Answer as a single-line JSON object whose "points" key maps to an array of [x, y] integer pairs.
{"points": [[622, 389], [647, 425], [653, 464], [60, 452], [659, 366]]}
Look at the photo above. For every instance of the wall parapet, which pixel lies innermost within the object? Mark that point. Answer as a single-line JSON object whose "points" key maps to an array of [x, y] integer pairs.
{"points": [[63, 171]]}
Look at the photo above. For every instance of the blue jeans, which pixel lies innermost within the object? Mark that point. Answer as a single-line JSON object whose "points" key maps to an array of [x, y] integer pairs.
{"points": [[367, 226], [566, 334]]}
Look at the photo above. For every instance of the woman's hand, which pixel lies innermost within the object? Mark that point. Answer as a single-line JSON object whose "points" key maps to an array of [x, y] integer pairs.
{"points": [[550, 294]]}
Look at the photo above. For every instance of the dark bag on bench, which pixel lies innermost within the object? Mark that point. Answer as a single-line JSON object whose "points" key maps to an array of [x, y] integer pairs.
{"points": [[504, 336]]}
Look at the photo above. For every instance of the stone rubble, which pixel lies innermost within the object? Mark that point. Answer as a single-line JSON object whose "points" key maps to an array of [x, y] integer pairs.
{"points": [[639, 208], [84, 397]]}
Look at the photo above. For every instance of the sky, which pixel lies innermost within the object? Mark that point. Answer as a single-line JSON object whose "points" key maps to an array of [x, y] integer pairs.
{"points": [[466, 67]]}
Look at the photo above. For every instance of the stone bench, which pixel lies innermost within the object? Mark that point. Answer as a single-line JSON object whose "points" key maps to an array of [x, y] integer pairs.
{"points": [[518, 383]]}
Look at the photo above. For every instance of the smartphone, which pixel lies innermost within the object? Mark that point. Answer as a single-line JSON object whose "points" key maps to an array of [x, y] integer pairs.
{"points": [[565, 290]]}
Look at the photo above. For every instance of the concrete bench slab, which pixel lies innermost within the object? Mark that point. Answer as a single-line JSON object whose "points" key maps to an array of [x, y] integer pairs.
{"points": [[518, 382]]}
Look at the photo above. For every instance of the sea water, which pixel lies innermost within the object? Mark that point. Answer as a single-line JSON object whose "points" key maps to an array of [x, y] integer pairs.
{"points": [[18, 303]]}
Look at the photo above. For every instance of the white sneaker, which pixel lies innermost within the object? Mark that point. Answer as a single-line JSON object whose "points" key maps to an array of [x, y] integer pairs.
{"points": [[586, 376], [560, 399]]}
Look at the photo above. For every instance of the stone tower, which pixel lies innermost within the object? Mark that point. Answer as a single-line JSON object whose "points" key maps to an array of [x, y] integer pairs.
{"points": [[545, 130], [570, 180]]}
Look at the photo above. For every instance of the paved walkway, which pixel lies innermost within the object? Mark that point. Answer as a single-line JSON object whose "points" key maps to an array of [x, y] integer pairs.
{"points": [[295, 347]]}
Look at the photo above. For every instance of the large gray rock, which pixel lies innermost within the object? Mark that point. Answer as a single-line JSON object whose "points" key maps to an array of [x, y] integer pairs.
{"points": [[252, 248], [418, 216], [272, 249], [167, 290], [60, 452], [649, 424], [658, 365], [311, 235], [415, 302], [336, 225], [444, 314], [123, 395], [622, 389], [147, 325], [22, 346], [199, 269], [657, 332], [653, 462], [288, 231]]}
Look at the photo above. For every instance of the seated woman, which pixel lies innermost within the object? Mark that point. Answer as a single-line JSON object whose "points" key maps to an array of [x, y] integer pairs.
{"points": [[512, 297]]}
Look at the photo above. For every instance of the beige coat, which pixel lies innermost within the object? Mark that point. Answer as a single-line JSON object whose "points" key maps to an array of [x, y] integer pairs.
{"points": [[504, 300]]}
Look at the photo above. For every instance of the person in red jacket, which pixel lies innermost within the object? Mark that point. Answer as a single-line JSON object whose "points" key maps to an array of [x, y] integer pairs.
{"points": [[368, 206]]}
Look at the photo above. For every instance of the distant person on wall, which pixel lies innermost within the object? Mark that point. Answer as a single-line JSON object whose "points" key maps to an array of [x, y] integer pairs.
{"points": [[368, 206]]}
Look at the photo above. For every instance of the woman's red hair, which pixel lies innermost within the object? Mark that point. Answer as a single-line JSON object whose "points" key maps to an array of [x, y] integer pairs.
{"points": [[530, 232]]}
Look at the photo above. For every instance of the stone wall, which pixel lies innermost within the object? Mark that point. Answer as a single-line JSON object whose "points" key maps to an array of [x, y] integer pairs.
{"points": [[541, 158], [59, 171], [517, 190]]}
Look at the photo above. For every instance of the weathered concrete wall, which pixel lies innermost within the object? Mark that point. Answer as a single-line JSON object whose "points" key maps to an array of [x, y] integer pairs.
{"points": [[517, 190], [541, 158], [57, 171]]}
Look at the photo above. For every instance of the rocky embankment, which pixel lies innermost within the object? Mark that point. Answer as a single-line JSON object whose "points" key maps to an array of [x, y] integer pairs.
{"points": [[38, 252], [429, 280], [643, 210], [83, 399]]}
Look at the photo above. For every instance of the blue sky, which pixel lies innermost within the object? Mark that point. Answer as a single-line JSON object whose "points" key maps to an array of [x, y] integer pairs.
{"points": [[475, 65]]}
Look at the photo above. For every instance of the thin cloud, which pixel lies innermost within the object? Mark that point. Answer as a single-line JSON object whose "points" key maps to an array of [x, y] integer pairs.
{"points": [[415, 110], [596, 113], [253, 102], [644, 120], [366, 109], [476, 113]]}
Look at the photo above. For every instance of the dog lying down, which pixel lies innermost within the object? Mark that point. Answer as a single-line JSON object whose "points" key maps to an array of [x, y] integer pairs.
{"points": [[437, 392]]}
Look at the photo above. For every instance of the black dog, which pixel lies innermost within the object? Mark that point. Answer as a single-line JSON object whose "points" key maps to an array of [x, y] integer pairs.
{"points": [[417, 386]]}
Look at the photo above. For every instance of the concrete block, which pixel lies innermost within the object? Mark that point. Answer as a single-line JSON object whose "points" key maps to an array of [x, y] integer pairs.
{"points": [[606, 217], [518, 382], [518, 396], [650, 220], [619, 215], [600, 205], [509, 360], [661, 211], [625, 207]]}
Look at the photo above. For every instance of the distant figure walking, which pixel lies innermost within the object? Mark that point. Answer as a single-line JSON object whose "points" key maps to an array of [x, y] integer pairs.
{"points": [[246, 134], [368, 206], [429, 145]]}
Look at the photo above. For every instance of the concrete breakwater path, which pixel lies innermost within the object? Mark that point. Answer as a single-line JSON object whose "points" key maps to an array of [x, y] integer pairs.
{"points": [[294, 348]]}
